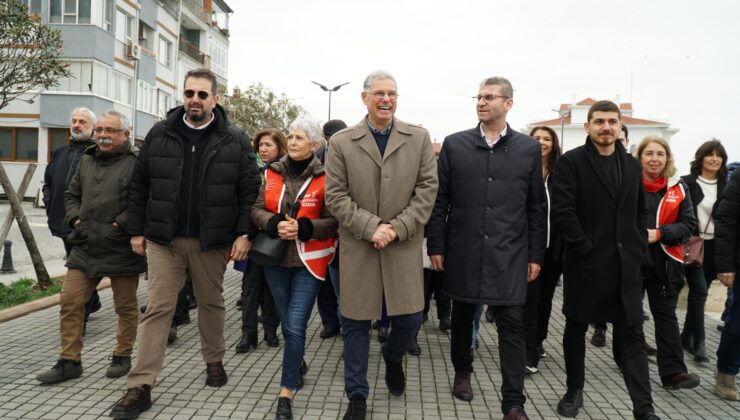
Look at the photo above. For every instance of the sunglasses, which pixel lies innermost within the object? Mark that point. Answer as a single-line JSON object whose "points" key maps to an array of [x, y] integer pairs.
{"points": [[203, 95]]}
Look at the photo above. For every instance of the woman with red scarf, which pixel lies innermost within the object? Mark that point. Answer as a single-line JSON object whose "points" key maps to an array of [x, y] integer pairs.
{"points": [[670, 224]]}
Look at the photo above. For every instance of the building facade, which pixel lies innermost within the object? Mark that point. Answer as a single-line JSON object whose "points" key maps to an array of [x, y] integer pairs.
{"points": [[127, 55], [572, 116]]}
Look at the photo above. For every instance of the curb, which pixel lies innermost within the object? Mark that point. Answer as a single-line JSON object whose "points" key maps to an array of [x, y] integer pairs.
{"points": [[39, 304]]}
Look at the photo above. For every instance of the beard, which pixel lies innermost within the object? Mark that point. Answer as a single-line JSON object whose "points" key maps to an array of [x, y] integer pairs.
{"points": [[80, 136], [196, 117]]}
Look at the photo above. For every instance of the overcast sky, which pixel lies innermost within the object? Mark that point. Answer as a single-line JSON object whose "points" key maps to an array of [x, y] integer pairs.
{"points": [[674, 60]]}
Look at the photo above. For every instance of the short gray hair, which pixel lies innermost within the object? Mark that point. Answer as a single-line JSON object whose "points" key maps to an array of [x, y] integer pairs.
{"points": [[376, 75], [122, 119], [84, 110], [310, 127], [505, 84]]}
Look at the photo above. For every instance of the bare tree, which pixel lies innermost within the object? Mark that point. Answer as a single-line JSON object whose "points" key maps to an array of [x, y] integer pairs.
{"points": [[257, 107]]}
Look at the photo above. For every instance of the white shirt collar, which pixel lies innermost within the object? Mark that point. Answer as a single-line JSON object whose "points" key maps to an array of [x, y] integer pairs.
{"points": [[491, 143]]}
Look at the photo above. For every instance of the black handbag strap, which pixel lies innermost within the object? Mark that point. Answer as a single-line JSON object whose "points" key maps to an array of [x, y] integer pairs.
{"points": [[707, 225], [297, 203]]}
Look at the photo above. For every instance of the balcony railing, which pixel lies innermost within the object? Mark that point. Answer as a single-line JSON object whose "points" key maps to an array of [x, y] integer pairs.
{"points": [[192, 51]]}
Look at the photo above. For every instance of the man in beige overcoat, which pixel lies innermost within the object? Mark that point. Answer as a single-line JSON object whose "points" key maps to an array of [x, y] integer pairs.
{"points": [[381, 186]]}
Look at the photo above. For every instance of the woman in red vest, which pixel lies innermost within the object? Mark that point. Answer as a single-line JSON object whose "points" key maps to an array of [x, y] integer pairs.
{"points": [[670, 225], [311, 233]]}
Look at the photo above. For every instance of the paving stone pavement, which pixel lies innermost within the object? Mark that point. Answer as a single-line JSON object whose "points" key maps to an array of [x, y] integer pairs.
{"points": [[29, 345]]}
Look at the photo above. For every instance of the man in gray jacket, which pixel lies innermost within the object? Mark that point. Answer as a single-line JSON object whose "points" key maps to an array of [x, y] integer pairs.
{"points": [[96, 208]]}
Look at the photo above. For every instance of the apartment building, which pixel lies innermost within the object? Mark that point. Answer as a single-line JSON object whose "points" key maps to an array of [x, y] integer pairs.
{"points": [[127, 55]]}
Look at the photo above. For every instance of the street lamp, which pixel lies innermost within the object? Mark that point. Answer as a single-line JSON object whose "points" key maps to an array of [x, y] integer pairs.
{"points": [[326, 89], [562, 114]]}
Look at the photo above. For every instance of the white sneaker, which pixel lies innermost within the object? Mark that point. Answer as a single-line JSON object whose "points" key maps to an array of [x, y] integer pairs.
{"points": [[530, 370]]}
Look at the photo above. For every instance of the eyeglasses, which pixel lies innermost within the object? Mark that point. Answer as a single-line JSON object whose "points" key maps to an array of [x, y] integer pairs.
{"points": [[380, 94], [108, 130], [489, 97], [202, 94]]}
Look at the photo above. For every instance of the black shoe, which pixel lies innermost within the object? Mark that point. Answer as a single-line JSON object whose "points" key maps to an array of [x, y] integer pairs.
{"points": [[302, 375], [271, 338], [135, 402], [181, 319], [216, 375], [329, 332], [383, 334], [444, 324], [599, 337], [700, 352], [395, 379], [648, 416], [489, 314], [172, 334], [246, 344], [356, 409], [142, 309], [570, 404], [239, 302], [687, 341], [415, 350], [96, 305], [720, 326], [284, 409], [681, 380], [63, 370]]}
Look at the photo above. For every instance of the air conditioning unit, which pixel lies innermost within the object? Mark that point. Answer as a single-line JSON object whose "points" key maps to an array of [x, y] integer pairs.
{"points": [[133, 51]]}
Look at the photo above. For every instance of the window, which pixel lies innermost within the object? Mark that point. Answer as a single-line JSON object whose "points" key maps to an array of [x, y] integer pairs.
{"points": [[108, 11], [146, 36], [69, 11], [19, 143], [164, 103], [58, 137], [219, 56], [146, 99], [124, 26], [119, 87], [164, 55], [33, 5], [79, 79]]}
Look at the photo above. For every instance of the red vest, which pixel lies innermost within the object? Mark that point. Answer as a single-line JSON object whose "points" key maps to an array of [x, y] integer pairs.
{"points": [[316, 254], [668, 213]]}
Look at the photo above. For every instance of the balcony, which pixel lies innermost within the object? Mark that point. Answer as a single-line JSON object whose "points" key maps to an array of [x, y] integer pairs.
{"points": [[197, 9], [192, 51]]}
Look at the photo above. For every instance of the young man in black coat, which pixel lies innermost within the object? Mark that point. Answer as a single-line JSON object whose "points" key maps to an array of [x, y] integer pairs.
{"points": [[598, 204], [487, 233]]}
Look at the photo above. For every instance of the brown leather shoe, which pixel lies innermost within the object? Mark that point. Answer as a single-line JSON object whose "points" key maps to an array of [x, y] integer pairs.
{"points": [[461, 388], [516, 413], [135, 402], [215, 374], [681, 380]]}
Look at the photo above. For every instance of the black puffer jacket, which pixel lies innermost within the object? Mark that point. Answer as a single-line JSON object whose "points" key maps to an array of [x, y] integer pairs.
{"points": [[98, 197], [58, 174], [727, 228], [227, 183]]}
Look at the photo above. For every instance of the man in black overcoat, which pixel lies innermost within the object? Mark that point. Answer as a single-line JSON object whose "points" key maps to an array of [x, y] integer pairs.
{"points": [[598, 204], [488, 233]]}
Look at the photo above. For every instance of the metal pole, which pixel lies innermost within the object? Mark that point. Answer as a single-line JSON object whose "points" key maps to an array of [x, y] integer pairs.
{"points": [[329, 119]]}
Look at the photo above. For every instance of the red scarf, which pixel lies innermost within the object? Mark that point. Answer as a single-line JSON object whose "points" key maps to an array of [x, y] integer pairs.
{"points": [[656, 185]]}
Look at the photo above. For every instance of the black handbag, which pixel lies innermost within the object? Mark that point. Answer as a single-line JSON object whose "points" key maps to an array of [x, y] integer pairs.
{"points": [[268, 251]]}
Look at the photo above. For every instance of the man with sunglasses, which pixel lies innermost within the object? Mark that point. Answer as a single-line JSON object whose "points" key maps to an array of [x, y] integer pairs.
{"points": [[96, 208], [192, 192], [487, 235]]}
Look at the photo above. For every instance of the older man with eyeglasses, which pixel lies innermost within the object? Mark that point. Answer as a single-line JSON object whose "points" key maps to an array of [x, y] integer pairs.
{"points": [[191, 197], [96, 208]]}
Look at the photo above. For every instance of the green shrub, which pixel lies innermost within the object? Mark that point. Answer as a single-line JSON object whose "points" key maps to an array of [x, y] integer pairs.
{"points": [[22, 291]]}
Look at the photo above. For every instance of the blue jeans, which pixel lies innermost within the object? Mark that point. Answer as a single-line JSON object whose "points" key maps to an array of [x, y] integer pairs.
{"points": [[357, 348], [294, 291], [476, 325], [728, 304], [728, 353], [334, 277]]}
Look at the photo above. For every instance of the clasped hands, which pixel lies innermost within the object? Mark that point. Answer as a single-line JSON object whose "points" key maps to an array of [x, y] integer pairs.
{"points": [[288, 229], [384, 235]]}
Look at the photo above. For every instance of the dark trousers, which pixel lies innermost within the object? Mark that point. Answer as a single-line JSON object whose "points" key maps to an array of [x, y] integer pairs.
{"points": [[728, 353], [694, 321], [433, 286], [357, 347], [634, 360], [510, 326], [328, 305], [548, 279], [531, 318], [667, 337], [255, 292]]}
